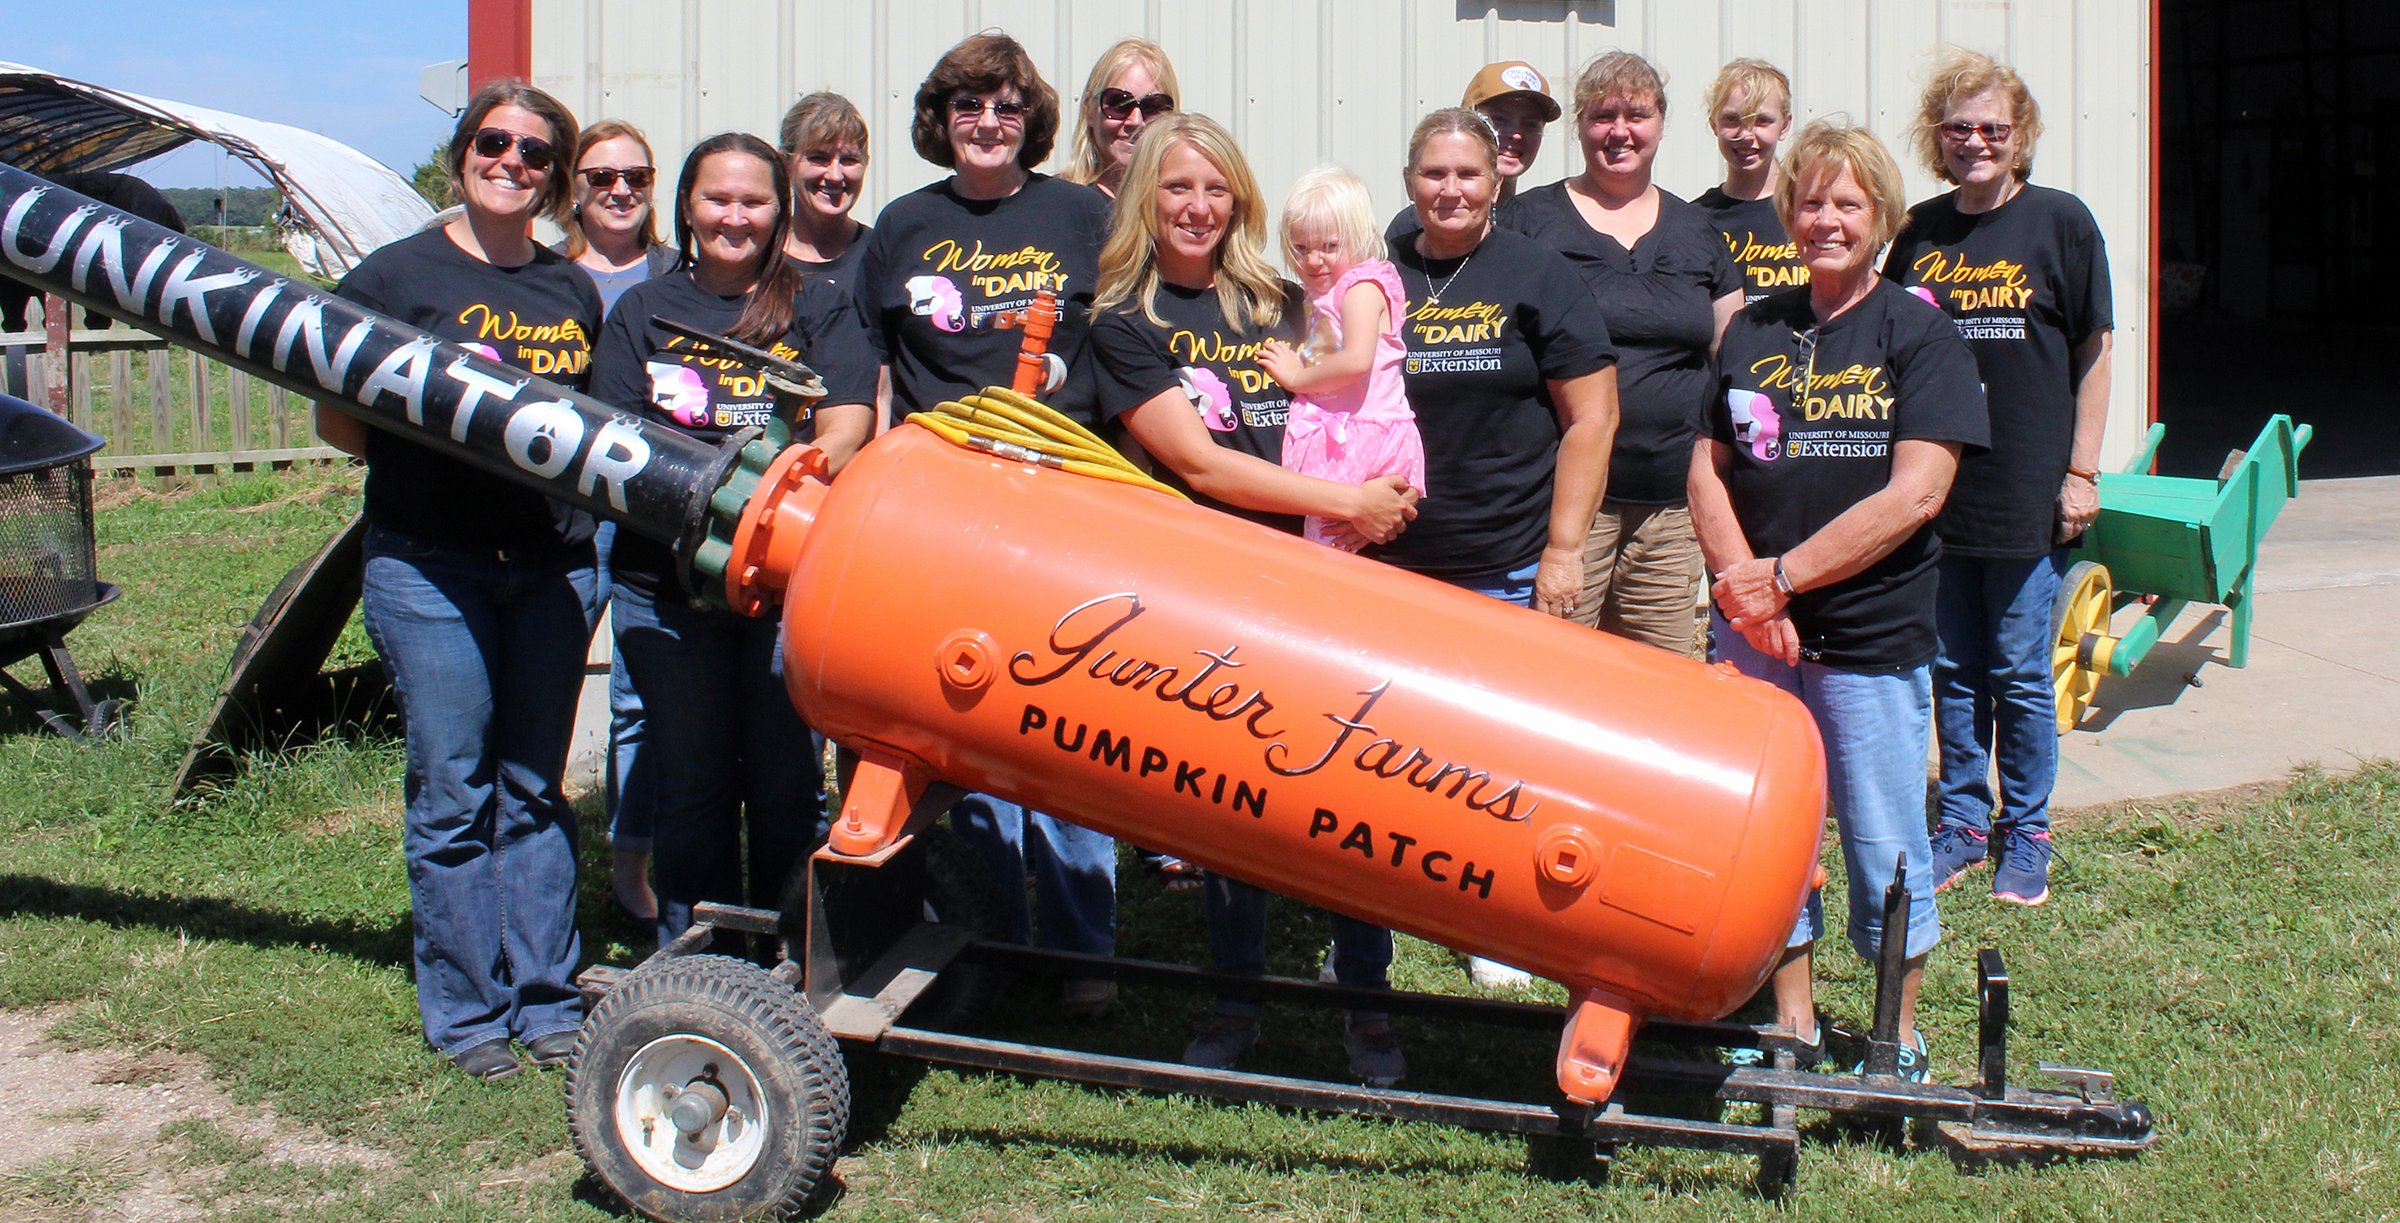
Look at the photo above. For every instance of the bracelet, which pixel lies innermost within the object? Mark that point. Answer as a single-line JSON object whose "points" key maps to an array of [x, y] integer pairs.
{"points": [[1783, 581], [2090, 475]]}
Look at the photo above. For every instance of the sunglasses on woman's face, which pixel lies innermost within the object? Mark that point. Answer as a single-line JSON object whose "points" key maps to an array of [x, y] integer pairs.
{"points": [[604, 178], [492, 144], [965, 107], [1118, 104]]}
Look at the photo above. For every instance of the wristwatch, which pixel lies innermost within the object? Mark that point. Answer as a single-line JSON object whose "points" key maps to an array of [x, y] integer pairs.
{"points": [[1783, 581], [2090, 475]]}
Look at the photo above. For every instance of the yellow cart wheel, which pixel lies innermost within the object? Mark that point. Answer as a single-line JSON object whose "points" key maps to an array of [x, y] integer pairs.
{"points": [[2085, 600]]}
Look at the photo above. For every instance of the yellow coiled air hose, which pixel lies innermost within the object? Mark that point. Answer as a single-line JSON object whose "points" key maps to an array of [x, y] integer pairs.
{"points": [[1019, 427]]}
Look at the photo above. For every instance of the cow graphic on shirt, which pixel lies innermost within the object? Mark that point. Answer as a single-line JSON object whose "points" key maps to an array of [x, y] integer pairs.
{"points": [[1755, 423], [1209, 394], [935, 297], [677, 391]]}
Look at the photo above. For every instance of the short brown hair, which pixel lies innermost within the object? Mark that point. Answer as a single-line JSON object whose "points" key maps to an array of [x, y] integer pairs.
{"points": [[823, 120], [984, 63], [1623, 74], [1827, 145], [556, 199], [1960, 73], [1754, 80]]}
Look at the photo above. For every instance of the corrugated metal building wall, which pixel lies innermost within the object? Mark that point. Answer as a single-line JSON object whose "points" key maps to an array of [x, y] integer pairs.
{"points": [[1307, 81]]}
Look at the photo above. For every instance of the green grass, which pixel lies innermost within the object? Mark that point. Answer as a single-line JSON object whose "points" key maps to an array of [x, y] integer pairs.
{"points": [[2233, 960]]}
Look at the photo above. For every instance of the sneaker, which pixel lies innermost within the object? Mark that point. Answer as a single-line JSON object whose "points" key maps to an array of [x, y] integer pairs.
{"points": [[1375, 1055], [2024, 874], [1221, 1042], [1916, 1063], [1957, 849], [1325, 971], [1087, 997], [551, 1048], [1806, 1058], [488, 1062], [1492, 974]]}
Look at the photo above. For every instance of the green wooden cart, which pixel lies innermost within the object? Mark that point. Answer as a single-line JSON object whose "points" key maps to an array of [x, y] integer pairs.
{"points": [[2172, 541]]}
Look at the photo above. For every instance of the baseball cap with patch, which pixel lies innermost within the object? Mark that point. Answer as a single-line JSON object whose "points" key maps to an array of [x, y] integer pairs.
{"points": [[1511, 77]]}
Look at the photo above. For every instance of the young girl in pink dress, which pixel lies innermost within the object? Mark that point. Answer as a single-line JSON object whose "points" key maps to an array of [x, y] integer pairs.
{"points": [[1349, 419]]}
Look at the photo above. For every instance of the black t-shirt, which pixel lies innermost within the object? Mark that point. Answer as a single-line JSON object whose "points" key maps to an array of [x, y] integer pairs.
{"points": [[2027, 282], [1659, 300], [842, 269], [642, 368], [540, 317], [1888, 369], [1208, 358], [939, 265], [1754, 236], [1512, 317], [1404, 226]]}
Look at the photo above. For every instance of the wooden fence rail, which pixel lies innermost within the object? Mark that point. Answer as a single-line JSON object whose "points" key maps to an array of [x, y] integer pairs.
{"points": [[164, 409]]}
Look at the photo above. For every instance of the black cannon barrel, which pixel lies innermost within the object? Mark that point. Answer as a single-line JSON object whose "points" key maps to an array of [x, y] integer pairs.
{"points": [[391, 376]]}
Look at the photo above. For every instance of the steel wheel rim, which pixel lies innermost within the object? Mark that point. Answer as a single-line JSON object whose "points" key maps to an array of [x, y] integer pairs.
{"points": [[726, 1150]]}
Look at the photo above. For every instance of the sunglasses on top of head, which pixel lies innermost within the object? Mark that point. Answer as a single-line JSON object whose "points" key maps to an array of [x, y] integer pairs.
{"points": [[1118, 104], [492, 144], [603, 178], [966, 107]]}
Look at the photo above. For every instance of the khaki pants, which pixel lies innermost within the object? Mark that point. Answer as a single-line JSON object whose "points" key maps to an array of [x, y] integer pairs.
{"points": [[1641, 576]]}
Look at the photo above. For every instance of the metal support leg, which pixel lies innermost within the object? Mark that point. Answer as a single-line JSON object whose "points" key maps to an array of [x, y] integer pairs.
{"points": [[1891, 959], [1991, 1024]]}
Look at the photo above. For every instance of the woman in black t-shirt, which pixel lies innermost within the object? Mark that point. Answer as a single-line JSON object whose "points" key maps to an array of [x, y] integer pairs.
{"points": [[2023, 270], [825, 141], [1131, 84], [1665, 284], [479, 594], [948, 267], [1186, 299], [1514, 384], [1750, 103], [724, 751], [1842, 410], [951, 264]]}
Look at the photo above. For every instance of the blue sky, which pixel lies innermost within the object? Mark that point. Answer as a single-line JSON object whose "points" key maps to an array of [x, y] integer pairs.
{"points": [[353, 77]]}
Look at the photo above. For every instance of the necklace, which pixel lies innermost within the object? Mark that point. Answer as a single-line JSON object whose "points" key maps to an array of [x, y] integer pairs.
{"points": [[1433, 294]]}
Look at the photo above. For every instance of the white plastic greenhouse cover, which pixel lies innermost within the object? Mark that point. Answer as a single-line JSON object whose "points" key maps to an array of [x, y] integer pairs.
{"points": [[347, 202]]}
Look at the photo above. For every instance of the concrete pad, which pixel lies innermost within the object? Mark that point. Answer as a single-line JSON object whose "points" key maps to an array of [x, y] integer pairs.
{"points": [[2323, 684]]}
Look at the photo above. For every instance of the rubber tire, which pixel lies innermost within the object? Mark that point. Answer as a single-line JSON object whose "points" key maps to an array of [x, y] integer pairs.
{"points": [[781, 1042], [951, 884]]}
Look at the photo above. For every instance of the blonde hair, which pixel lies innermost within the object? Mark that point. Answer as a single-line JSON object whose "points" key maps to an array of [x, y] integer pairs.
{"points": [[1091, 159], [1453, 121], [1615, 74], [1754, 81], [1330, 198], [1960, 73], [1249, 292], [1828, 145]]}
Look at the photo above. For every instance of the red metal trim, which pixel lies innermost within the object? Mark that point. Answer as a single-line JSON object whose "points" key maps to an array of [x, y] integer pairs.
{"points": [[2156, 243], [499, 40]]}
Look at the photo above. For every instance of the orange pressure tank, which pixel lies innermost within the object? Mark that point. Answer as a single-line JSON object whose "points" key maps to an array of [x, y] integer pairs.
{"points": [[1637, 826]]}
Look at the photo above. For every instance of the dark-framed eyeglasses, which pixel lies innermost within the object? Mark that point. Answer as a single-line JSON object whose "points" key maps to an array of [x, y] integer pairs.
{"points": [[492, 144], [1993, 133], [1119, 105], [604, 178], [966, 106]]}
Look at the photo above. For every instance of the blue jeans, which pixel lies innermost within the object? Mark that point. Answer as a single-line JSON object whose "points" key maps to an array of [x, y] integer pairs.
{"points": [[1992, 686], [629, 819], [723, 753], [1237, 942], [1074, 872], [1515, 587], [486, 657], [1876, 730]]}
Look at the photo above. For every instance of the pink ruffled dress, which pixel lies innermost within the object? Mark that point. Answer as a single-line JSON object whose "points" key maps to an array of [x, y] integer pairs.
{"points": [[1365, 429]]}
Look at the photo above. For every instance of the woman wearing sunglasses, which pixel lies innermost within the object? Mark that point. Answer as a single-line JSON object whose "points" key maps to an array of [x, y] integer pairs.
{"points": [[612, 234], [947, 267], [1131, 85], [2023, 270], [480, 596], [724, 752]]}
